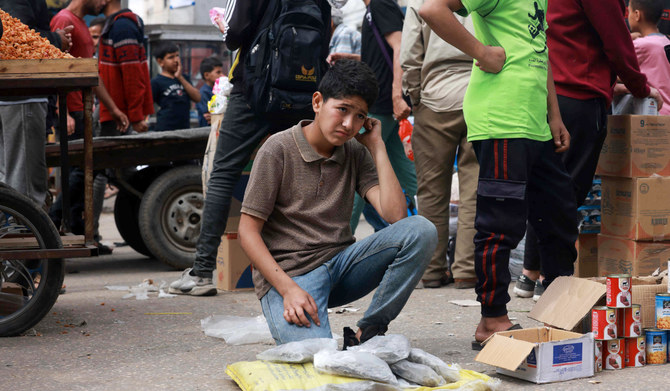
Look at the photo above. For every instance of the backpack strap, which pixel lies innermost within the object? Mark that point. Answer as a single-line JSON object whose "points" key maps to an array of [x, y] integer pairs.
{"points": [[378, 36]]}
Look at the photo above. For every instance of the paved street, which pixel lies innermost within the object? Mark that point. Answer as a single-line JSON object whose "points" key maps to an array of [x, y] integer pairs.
{"points": [[95, 340]]}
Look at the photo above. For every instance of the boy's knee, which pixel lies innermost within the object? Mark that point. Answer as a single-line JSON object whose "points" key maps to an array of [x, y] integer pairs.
{"points": [[422, 230]]}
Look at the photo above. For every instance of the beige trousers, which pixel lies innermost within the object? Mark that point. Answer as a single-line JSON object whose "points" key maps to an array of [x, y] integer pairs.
{"points": [[435, 140]]}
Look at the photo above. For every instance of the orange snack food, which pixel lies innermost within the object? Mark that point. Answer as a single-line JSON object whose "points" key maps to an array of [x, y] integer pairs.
{"points": [[19, 42]]}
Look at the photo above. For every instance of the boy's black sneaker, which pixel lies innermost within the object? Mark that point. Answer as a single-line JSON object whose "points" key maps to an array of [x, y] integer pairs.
{"points": [[524, 286]]}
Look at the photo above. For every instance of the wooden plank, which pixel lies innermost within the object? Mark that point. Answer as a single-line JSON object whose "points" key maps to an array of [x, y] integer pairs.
{"points": [[31, 242], [45, 75], [37, 67]]}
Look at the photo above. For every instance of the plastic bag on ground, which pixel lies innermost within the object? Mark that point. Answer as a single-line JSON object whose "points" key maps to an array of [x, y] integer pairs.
{"points": [[298, 351], [237, 330], [417, 373], [360, 365], [450, 373], [390, 348]]}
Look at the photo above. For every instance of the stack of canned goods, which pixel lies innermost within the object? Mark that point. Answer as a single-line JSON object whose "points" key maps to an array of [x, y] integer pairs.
{"points": [[657, 338], [617, 328]]}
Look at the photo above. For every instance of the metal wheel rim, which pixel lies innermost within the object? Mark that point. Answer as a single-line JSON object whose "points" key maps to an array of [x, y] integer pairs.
{"points": [[182, 216]]}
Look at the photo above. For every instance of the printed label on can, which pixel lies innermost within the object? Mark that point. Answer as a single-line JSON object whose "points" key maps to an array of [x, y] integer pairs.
{"points": [[613, 354], [663, 311], [632, 326], [635, 352], [598, 350], [618, 291], [604, 323], [657, 346]]}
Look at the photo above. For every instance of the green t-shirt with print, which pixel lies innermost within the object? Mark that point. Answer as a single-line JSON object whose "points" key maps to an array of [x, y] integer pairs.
{"points": [[513, 102]]}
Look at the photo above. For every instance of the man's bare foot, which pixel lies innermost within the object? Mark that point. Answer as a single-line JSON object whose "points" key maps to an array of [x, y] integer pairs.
{"points": [[489, 326]]}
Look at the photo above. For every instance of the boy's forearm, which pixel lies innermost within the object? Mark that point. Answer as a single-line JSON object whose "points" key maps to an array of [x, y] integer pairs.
{"points": [[253, 245], [439, 15], [553, 110], [391, 197], [192, 92]]}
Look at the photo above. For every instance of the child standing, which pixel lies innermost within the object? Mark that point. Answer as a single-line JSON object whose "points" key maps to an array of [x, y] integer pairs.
{"points": [[515, 126], [643, 17], [211, 69], [172, 91], [295, 217]]}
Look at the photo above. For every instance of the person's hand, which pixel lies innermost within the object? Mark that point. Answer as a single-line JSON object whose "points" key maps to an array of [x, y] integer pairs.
{"points": [[334, 57], [222, 25], [653, 93], [560, 134], [70, 125], [635, 36], [372, 134], [121, 120], [493, 59], [297, 302], [140, 126], [400, 108], [620, 89], [208, 118], [65, 35], [177, 73]]}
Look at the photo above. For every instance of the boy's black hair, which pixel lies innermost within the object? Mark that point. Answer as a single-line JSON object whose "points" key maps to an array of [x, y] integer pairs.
{"points": [[97, 21], [208, 65], [651, 9], [350, 78], [164, 49]]}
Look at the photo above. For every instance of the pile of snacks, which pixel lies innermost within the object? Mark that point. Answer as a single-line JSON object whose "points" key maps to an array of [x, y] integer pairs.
{"points": [[20, 42]]}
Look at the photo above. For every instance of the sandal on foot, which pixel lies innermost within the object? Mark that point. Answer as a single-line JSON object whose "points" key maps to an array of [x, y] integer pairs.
{"points": [[476, 345]]}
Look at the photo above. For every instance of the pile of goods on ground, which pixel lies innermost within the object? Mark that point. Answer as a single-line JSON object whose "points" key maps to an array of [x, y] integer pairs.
{"points": [[19, 42]]}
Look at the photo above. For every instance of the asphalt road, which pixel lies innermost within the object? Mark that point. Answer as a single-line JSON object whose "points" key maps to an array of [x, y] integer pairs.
{"points": [[93, 339]]}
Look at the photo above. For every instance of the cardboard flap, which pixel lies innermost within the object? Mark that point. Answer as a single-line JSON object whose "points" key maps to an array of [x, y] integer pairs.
{"points": [[505, 352], [566, 302]]}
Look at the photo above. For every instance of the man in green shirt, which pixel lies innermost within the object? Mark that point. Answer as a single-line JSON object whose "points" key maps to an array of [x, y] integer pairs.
{"points": [[514, 123]]}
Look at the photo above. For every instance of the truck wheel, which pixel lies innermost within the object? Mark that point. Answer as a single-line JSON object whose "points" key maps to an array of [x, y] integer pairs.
{"points": [[126, 207], [29, 287], [170, 215]]}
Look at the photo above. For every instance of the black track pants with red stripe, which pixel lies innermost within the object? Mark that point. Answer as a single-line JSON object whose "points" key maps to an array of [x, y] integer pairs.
{"points": [[520, 180]]}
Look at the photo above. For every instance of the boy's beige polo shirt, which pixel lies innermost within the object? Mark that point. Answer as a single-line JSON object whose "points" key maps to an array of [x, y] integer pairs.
{"points": [[305, 199]]}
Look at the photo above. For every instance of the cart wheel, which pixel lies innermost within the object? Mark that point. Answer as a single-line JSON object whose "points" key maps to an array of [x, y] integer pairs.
{"points": [[29, 287], [126, 208], [170, 215]]}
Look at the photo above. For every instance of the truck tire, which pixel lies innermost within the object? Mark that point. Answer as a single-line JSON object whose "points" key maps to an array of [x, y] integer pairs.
{"points": [[31, 286], [126, 208], [170, 215]]}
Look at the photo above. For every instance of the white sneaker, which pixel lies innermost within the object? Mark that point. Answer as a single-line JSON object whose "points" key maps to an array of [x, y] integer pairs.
{"points": [[192, 285]]}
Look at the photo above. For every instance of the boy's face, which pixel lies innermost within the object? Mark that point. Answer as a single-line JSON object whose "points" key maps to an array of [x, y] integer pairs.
{"points": [[339, 119], [633, 18], [169, 63], [210, 77], [95, 34]]}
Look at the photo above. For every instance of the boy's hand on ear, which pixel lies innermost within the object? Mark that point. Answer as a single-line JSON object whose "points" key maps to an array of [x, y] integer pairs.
{"points": [[296, 302], [373, 133], [177, 73], [492, 60]]}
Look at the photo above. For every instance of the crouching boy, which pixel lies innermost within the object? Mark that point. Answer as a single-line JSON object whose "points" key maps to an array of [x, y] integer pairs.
{"points": [[296, 209]]}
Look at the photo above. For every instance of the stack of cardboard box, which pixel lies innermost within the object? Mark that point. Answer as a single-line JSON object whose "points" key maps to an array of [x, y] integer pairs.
{"points": [[635, 165]]}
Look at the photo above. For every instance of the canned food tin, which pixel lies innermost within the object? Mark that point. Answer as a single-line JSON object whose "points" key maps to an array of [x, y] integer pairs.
{"points": [[618, 291], [634, 353], [603, 323], [619, 322], [657, 346], [613, 354], [663, 311], [598, 350], [632, 325]]}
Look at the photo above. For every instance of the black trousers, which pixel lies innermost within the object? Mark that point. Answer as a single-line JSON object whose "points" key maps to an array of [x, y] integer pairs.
{"points": [[586, 120], [520, 180]]}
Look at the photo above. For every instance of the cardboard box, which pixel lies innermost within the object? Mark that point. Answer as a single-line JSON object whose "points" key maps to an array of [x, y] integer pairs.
{"points": [[549, 354], [637, 209], [645, 296], [636, 146], [233, 268], [587, 256], [623, 256]]}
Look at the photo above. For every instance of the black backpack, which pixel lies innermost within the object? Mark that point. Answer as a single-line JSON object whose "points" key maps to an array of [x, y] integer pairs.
{"points": [[285, 61]]}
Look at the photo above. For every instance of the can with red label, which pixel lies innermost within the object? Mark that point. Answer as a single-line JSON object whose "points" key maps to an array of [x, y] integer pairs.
{"points": [[619, 322], [635, 352], [604, 323], [613, 354], [632, 321], [598, 350], [618, 291]]}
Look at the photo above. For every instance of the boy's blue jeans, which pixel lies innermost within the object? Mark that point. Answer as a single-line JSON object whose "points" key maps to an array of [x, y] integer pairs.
{"points": [[391, 260]]}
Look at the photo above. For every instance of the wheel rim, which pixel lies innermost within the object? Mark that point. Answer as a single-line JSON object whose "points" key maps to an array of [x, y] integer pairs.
{"points": [[22, 278], [182, 216]]}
